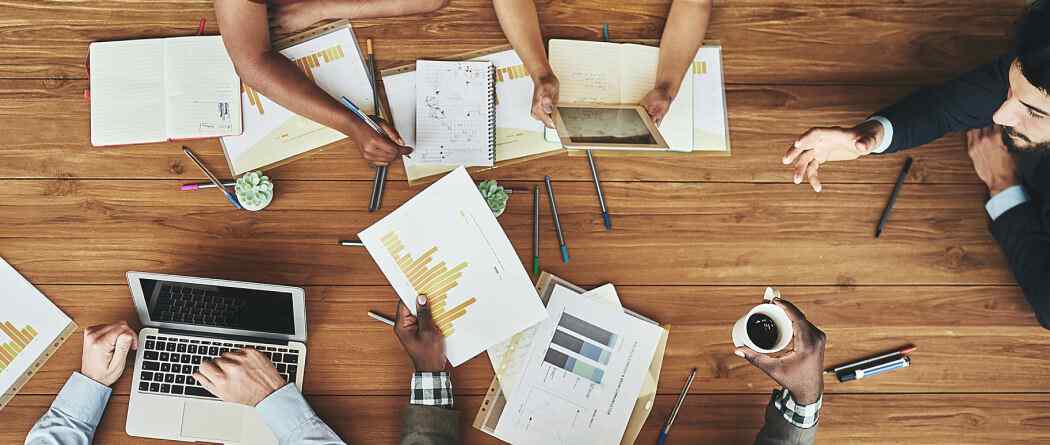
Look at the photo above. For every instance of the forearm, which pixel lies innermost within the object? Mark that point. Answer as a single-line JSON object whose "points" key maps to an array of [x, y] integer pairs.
{"points": [[73, 416], [367, 9], [683, 34], [778, 430], [521, 25], [1026, 243], [292, 420]]}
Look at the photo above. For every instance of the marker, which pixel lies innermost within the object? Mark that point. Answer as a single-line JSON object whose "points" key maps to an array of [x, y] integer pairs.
{"points": [[204, 185], [557, 222], [870, 360], [859, 374], [678, 405], [211, 177], [893, 197], [598, 189], [378, 317], [535, 229], [351, 243]]}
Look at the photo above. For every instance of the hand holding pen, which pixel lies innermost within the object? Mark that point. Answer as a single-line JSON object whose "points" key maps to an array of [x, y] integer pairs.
{"points": [[379, 142]]}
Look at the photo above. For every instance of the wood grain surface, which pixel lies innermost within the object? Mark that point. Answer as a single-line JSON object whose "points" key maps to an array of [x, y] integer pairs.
{"points": [[696, 239]]}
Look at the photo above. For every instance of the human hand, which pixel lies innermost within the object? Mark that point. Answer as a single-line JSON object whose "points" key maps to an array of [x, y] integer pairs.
{"points": [[820, 145], [656, 103], [995, 165], [421, 339], [801, 371], [106, 351], [545, 98], [244, 376], [290, 17], [379, 149]]}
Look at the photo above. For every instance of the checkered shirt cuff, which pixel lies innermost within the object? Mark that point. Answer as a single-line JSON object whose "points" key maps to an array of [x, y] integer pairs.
{"points": [[432, 389], [802, 416]]}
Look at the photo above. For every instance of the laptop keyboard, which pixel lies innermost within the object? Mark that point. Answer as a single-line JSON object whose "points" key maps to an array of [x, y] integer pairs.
{"points": [[198, 305], [168, 363]]}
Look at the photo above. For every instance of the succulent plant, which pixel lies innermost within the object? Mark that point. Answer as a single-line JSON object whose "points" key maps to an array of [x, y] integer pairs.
{"points": [[495, 196], [254, 190]]}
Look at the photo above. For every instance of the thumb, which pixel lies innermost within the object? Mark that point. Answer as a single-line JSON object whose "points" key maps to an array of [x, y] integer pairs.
{"points": [[424, 319], [865, 144], [547, 104], [763, 362], [120, 353]]}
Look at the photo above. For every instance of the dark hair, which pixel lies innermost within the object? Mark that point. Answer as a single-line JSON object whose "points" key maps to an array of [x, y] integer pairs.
{"points": [[1033, 46]]}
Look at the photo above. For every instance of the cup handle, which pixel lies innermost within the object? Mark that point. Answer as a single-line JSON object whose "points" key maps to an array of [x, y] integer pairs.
{"points": [[771, 295]]}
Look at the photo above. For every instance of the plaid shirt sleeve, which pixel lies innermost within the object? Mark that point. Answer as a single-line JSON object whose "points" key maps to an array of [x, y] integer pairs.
{"points": [[802, 416], [432, 388]]}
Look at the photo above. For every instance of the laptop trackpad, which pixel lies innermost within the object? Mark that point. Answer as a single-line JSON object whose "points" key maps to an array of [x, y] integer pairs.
{"points": [[212, 421]]}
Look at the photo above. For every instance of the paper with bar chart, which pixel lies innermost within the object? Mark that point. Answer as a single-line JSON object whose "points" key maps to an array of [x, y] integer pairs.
{"points": [[29, 324], [445, 243], [583, 375], [271, 132], [710, 121]]}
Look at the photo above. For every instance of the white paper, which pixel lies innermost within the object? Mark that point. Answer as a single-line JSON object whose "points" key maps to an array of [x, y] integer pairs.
{"points": [[127, 92], [202, 88], [710, 121], [453, 114], [25, 306], [583, 376], [272, 133], [483, 274]]}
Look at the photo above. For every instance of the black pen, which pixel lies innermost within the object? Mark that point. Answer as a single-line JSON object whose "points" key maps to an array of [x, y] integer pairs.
{"points": [[557, 221], [893, 197]]}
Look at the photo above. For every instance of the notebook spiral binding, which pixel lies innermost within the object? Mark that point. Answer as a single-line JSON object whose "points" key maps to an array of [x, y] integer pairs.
{"points": [[492, 112]]}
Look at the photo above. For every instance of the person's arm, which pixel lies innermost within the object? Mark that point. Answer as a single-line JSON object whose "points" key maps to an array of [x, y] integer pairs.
{"points": [[295, 16], [793, 412], [683, 34], [246, 35], [248, 378], [927, 114], [429, 418], [74, 415], [1017, 223], [521, 24]]}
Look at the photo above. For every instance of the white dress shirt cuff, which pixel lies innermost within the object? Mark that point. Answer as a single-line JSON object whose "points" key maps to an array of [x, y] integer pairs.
{"points": [[1006, 200], [887, 133], [82, 399], [285, 411]]}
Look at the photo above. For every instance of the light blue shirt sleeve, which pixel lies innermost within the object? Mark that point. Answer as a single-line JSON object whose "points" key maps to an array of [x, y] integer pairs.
{"points": [[74, 415], [887, 133], [1006, 200], [293, 421]]}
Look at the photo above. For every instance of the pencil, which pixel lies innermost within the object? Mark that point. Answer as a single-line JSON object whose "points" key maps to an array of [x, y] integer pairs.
{"points": [[351, 243], [893, 197], [557, 222], [211, 177], [535, 229]]}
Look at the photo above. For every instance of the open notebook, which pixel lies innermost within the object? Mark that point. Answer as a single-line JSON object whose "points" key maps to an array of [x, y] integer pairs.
{"points": [[455, 113], [155, 90]]}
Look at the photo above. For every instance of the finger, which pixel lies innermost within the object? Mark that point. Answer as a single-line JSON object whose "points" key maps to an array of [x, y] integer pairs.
{"points": [[404, 318], [802, 164], [387, 148], [120, 353], [206, 383], [392, 132], [792, 311], [761, 361], [547, 104], [108, 338], [225, 362], [425, 320], [865, 144], [793, 154], [811, 172]]}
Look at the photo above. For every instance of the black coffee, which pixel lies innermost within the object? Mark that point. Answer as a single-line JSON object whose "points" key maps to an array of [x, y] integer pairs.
{"points": [[762, 331]]}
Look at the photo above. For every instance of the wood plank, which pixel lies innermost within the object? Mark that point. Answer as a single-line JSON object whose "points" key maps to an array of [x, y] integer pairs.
{"points": [[735, 419], [988, 325], [46, 128], [767, 42], [91, 232]]}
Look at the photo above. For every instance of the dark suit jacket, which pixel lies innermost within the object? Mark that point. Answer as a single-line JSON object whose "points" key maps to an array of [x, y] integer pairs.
{"points": [[778, 431], [969, 102]]}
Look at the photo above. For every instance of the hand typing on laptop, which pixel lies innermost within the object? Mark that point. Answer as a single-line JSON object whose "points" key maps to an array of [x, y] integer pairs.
{"points": [[245, 377]]}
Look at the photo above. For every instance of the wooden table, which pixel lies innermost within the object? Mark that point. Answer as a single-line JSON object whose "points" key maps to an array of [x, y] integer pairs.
{"points": [[696, 239]]}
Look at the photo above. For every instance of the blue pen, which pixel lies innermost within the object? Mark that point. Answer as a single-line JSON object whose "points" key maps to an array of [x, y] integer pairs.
{"points": [[902, 362], [557, 221], [211, 177], [678, 405]]}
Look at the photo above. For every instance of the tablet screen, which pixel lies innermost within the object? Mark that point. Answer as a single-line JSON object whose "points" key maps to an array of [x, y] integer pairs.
{"points": [[605, 126]]}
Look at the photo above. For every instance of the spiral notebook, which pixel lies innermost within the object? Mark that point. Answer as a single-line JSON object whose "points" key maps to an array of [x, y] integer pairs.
{"points": [[455, 113]]}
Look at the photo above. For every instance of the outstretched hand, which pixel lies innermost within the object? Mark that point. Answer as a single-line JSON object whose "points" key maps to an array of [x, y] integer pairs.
{"points": [[820, 145], [420, 337], [801, 371]]}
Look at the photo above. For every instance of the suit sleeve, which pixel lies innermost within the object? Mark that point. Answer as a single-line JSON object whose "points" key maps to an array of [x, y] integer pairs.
{"points": [[966, 102], [429, 425], [1026, 242], [778, 431]]}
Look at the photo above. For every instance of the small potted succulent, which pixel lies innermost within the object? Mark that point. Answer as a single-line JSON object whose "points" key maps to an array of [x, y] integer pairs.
{"points": [[495, 196], [254, 191]]}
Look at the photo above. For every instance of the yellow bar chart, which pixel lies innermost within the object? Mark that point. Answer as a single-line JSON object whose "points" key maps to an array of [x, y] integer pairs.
{"points": [[312, 61], [435, 280], [19, 340]]}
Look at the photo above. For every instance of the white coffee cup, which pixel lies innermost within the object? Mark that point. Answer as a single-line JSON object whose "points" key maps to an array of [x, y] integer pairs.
{"points": [[774, 312]]}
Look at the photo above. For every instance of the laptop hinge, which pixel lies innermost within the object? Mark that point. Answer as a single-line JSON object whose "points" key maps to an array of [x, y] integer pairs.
{"points": [[244, 338]]}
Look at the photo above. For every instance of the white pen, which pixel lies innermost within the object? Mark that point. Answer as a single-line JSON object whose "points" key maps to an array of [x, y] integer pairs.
{"points": [[381, 318]]}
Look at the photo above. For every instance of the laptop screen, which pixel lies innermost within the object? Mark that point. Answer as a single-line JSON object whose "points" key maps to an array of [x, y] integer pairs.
{"points": [[219, 306]]}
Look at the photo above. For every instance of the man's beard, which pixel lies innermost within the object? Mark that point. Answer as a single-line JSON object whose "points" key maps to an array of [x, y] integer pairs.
{"points": [[1011, 137]]}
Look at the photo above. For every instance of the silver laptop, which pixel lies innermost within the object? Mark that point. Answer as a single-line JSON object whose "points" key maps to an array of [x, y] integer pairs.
{"points": [[187, 320]]}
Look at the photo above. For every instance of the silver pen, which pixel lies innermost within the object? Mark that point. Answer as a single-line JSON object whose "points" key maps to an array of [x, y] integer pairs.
{"points": [[557, 221]]}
